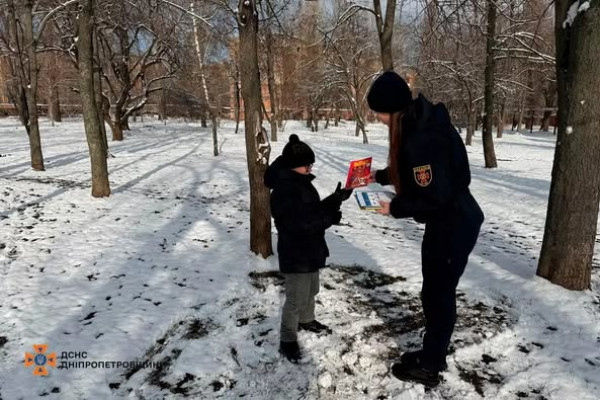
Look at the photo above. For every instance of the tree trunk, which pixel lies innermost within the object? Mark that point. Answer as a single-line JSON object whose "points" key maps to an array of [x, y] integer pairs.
{"points": [[162, 111], [212, 112], [472, 116], [531, 121], [364, 132], [549, 99], [117, 131], [17, 88], [545, 124], [54, 112], [385, 32], [500, 122], [257, 146], [53, 75], [571, 223], [237, 100], [360, 127], [360, 124], [54, 104], [100, 98], [120, 122], [102, 102], [91, 117], [35, 144], [271, 78], [103, 105], [487, 137], [116, 125], [315, 120], [20, 102], [521, 113], [327, 119], [215, 137]]}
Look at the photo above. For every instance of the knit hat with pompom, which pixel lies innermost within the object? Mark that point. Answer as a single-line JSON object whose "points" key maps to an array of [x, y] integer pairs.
{"points": [[296, 153]]}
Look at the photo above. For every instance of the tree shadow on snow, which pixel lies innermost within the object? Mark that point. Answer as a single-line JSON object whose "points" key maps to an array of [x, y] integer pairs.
{"points": [[123, 317]]}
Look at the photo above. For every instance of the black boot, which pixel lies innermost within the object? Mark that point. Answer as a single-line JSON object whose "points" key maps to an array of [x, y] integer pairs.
{"points": [[314, 326], [416, 374], [411, 358], [291, 351], [411, 369]]}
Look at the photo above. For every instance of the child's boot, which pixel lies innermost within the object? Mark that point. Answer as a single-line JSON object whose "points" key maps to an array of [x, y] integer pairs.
{"points": [[314, 326], [291, 351]]}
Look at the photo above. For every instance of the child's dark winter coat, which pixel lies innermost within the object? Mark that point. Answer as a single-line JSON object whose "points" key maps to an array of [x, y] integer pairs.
{"points": [[301, 219]]}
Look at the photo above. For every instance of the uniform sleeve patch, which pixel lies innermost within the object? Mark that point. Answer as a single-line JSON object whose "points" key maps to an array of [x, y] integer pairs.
{"points": [[423, 175]]}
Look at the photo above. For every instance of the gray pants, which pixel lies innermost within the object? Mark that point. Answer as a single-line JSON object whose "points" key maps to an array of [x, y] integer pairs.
{"points": [[299, 306]]}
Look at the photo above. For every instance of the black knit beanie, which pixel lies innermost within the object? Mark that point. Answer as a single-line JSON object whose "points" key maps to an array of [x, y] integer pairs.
{"points": [[389, 93], [296, 153]]}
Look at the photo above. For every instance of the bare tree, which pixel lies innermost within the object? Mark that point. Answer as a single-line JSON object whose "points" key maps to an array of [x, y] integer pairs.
{"points": [[488, 117], [549, 96], [91, 116], [200, 40], [234, 74], [54, 111], [454, 53], [450, 67], [138, 52], [268, 40], [21, 37], [385, 31], [571, 223], [317, 97], [24, 64], [257, 143], [350, 57]]}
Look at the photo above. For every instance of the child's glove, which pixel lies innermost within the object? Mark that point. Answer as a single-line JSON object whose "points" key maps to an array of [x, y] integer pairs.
{"points": [[343, 194], [333, 202]]}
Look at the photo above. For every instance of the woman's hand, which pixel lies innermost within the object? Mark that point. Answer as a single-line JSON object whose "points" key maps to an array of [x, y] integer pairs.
{"points": [[385, 208]]}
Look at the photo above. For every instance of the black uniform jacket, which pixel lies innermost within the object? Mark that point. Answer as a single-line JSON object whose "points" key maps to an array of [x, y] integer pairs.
{"points": [[433, 168]]}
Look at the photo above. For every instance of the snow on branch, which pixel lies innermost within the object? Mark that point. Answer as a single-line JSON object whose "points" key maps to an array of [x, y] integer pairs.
{"points": [[50, 14], [574, 10], [190, 12], [263, 146]]}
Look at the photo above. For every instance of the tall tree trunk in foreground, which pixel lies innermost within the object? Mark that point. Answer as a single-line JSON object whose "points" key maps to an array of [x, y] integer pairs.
{"points": [[91, 117], [257, 143], [571, 222]]}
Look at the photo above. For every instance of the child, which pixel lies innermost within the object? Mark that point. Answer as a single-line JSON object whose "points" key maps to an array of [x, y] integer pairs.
{"points": [[301, 219]]}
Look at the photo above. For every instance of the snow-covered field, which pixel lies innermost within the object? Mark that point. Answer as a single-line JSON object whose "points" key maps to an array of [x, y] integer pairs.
{"points": [[160, 272]]}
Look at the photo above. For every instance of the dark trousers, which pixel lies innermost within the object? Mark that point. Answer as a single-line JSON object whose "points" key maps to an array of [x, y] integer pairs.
{"points": [[447, 243], [299, 306]]}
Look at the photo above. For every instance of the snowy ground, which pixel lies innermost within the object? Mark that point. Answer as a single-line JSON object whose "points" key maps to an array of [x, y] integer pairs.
{"points": [[160, 272]]}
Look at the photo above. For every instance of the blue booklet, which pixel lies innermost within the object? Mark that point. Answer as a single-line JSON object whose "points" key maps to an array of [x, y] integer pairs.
{"points": [[371, 200]]}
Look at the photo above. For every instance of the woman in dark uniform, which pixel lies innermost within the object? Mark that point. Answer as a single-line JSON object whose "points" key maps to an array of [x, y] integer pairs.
{"points": [[429, 169]]}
